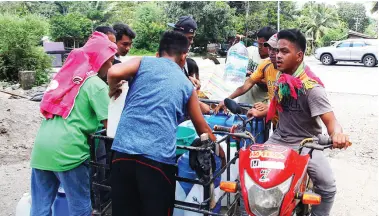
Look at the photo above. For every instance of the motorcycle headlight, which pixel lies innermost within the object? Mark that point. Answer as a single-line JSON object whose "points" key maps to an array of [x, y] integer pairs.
{"points": [[265, 202]]}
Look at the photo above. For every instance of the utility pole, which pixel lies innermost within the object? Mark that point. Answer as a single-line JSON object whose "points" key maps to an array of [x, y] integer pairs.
{"points": [[356, 23], [278, 16], [247, 17]]}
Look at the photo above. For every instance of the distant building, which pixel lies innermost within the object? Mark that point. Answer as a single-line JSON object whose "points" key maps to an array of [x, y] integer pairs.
{"points": [[356, 35]]}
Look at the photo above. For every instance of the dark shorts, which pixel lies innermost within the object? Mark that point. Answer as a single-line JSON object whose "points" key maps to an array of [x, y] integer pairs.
{"points": [[142, 187]]}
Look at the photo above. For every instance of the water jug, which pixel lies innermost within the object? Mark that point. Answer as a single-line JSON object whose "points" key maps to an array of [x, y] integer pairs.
{"points": [[23, 206], [236, 66], [115, 109], [60, 205], [180, 195], [185, 171]]}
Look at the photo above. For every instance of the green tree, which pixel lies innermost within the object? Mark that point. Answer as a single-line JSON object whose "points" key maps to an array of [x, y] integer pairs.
{"points": [[71, 28], [123, 12], [19, 46], [214, 19], [316, 19], [350, 13], [372, 28], [150, 23]]}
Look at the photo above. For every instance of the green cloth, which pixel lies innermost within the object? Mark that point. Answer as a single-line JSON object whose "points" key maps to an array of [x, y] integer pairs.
{"points": [[61, 144]]}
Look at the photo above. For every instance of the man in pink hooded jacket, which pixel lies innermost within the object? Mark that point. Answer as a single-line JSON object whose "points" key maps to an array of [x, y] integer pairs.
{"points": [[74, 104]]}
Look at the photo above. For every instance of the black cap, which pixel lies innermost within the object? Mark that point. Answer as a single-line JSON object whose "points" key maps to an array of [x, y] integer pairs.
{"points": [[185, 24]]}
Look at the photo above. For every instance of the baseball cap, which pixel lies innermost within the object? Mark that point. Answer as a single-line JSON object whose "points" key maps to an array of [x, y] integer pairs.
{"points": [[273, 41], [185, 24]]}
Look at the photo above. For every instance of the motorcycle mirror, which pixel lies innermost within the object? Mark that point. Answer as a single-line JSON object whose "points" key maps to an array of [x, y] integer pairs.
{"points": [[232, 106]]}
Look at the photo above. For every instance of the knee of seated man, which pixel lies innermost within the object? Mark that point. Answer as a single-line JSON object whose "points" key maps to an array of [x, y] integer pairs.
{"points": [[326, 185]]}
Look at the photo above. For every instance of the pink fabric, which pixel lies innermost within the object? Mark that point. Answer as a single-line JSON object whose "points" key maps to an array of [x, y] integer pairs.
{"points": [[81, 64]]}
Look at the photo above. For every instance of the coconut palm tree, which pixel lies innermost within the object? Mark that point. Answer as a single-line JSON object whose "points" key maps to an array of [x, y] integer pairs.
{"points": [[316, 19]]}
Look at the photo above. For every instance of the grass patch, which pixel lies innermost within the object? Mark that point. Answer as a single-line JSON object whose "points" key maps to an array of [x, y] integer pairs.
{"points": [[140, 52]]}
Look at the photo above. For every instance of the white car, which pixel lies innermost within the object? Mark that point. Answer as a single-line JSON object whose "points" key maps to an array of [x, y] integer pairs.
{"points": [[354, 50]]}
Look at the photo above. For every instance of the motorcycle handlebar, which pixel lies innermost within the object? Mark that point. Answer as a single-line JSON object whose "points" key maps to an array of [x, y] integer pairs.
{"points": [[324, 140], [222, 128]]}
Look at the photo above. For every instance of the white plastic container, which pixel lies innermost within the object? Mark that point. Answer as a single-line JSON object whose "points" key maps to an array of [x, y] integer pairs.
{"points": [[233, 171], [23, 206], [181, 196], [196, 196], [115, 109], [236, 66]]}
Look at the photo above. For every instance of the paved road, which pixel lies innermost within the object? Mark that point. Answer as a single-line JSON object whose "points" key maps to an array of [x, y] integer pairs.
{"points": [[346, 77]]}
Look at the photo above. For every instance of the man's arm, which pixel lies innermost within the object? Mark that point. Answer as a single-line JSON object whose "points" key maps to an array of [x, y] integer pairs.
{"points": [[197, 117], [199, 122], [122, 71], [249, 83], [340, 140], [319, 106]]}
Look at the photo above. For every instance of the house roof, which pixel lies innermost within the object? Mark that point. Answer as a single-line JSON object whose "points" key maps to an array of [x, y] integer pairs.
{"points": [[351, 32]]}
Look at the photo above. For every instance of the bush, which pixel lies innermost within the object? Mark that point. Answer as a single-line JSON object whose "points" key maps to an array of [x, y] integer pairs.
{"points": [[19, 47]]}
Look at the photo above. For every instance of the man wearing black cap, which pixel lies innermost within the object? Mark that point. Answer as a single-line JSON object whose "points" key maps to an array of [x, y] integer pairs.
{"points": [[187, 26]]}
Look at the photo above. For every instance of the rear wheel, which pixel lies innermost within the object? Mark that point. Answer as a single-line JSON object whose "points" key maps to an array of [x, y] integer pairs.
{"points": [[327, 59], [369, 61]]}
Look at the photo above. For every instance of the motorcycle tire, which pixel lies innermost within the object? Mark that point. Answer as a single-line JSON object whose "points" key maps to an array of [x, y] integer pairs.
{"points": [[242, 210]]}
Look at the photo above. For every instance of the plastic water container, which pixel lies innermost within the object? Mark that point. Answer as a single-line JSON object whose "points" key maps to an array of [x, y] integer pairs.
{"points": [[185, 171], [196, 195], [184, 136], [233, 169], [217, 119], [180, 195], [236, 66], [60, 205], [23, 206], [115, 109]]}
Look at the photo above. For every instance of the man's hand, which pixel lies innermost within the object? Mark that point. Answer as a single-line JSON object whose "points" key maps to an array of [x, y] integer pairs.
{"points": [[340, 141], [195, 82], [222, 106], [249, 73], [260, 106], [116, 90]]}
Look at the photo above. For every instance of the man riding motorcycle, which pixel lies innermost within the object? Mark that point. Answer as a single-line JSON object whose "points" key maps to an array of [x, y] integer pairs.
{"points": [[301, 102]]}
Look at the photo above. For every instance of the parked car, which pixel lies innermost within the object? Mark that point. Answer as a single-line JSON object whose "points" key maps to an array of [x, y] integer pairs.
{"points": [[223, 49], [354, 50]]}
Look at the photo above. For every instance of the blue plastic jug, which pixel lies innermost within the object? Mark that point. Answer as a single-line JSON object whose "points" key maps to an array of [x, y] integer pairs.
{"points": [[185, 171], [60, 205]]}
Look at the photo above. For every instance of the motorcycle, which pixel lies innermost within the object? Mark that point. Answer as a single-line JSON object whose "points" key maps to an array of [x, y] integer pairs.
{"points": [[273, 179]]}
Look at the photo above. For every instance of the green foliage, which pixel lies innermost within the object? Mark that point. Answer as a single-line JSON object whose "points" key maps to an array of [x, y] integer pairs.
{"points": [[315, 21], [19, 46], [372, 28], [73, 26], [150, 23], [141, 52], [348, 12], [214, 19], [333, 35]]}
